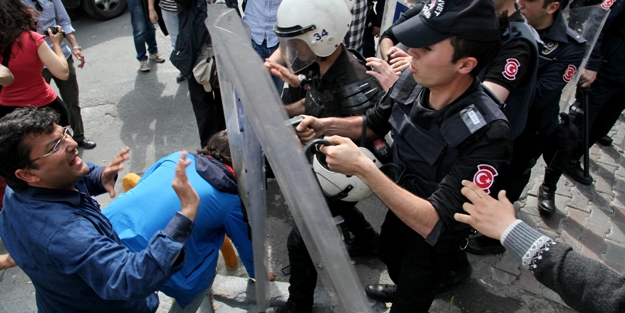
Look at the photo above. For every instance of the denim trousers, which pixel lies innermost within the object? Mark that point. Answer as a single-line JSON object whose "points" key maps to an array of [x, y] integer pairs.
{"points": [[142, 30], [171, 22]]}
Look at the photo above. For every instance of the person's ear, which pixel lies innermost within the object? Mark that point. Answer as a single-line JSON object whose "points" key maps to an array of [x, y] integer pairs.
{"points": [[553, 7], [466, 65], [27, 175]]}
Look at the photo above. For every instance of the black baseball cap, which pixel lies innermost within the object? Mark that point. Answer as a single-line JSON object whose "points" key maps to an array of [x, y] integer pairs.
{"points": [[468, 19]]}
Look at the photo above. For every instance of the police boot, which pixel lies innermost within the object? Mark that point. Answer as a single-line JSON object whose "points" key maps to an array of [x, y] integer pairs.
{"points": [[547, 199], [381, 292], [605, 141], [289, 307], [575, 171]]}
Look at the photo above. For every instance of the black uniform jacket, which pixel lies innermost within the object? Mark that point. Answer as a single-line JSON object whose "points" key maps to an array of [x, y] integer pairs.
{"points": [[439, 158], [558, 61]]}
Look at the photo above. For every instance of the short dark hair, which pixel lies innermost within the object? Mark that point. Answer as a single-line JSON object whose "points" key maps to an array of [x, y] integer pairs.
{"points": [[14, 127], [219, 148], [483, 51]]}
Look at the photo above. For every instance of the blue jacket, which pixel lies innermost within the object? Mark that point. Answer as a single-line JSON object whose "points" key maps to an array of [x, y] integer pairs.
{"points": [[76, 261], [148, 206]]}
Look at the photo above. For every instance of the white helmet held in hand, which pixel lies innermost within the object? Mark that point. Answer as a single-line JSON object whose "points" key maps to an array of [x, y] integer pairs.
{"points": [[311, 28], [335, 185]]}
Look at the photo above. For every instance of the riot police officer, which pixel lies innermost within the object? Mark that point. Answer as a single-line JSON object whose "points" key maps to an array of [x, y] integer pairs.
{"points": [[310, 34], [446, 127]]}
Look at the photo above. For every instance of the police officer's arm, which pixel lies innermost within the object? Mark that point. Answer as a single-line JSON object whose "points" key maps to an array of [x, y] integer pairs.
{"points": [[351, 127], [346, 158], [556, 75], [6, 77], [311, 128], [594, 62], [296, 108], [509, 69], [388, 39], [481, 157]]}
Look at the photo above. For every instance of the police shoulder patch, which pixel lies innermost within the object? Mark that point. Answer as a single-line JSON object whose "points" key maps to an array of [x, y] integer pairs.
{"points": [[511, 68], [485, 177], [569, 73], [607, 4]]}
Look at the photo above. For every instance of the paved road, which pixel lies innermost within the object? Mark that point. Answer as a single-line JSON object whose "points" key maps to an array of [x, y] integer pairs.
{"points": [[151, 113]]}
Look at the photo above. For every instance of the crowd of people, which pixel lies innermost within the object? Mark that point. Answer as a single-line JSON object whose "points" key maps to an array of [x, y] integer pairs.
{"points": [[468, 91]]}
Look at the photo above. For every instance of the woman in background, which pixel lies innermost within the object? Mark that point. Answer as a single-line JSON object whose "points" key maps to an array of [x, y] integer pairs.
{"points": [[24, 52]]}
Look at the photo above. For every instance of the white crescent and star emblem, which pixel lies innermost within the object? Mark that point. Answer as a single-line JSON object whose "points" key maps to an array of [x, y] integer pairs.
{"points": [[485, 177]]}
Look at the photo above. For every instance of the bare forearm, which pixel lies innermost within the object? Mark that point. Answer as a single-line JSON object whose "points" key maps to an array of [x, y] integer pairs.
{"points": [[58, 51], [385, 45], [295, 108], [277, 57], [72, 40], [6, 261], [350, 127], [6, 77], [416, 212]]}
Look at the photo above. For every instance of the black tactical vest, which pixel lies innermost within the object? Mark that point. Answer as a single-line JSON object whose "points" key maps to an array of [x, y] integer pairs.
{"points": [[425, 148]]}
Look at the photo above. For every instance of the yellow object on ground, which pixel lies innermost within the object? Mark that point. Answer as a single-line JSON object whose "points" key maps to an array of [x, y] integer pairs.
{"points": [[130, 180]]}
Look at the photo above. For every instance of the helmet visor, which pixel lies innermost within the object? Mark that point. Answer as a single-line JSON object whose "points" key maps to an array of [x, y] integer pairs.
{"points": [[297, 54]]}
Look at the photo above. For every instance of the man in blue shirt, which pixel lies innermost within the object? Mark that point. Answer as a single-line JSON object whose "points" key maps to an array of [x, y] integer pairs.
{"points": [[52, 13], [260, 16], [55, 232]]}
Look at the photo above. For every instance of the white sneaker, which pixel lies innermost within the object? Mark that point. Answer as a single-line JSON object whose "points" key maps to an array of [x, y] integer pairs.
{"points": [[159, 58], [144, 66]]}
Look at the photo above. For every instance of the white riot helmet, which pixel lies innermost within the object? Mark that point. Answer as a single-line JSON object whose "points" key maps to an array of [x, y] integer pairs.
{"points": [[336, 185], [308, 29]]}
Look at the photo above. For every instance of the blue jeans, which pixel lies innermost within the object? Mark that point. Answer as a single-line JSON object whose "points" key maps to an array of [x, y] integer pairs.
{"points": [[264, 52], [142, 30]]}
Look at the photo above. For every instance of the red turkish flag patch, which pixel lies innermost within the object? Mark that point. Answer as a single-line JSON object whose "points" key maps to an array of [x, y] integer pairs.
{"points": [[485, 177], [607, 4], [511, 69], [569, 73]]}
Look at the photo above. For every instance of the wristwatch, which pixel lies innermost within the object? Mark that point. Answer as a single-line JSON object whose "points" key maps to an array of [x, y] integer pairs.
{"points": [[76, 48]]}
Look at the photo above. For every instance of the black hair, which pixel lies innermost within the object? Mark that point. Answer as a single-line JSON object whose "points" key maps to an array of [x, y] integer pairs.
{"points": [[219, 148], [483, 51], [15, 18], [14, 127]]}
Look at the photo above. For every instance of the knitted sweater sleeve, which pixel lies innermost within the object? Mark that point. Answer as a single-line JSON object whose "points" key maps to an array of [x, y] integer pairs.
{"points": [[584, 284]]}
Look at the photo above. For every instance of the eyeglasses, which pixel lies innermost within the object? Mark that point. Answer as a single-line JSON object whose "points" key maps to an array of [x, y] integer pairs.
{"points": [[67, 130], [38, 6]]}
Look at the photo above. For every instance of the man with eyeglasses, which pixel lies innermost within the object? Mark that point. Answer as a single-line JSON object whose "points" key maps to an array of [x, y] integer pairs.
{"points": [[55, 232], [52, 13]]}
